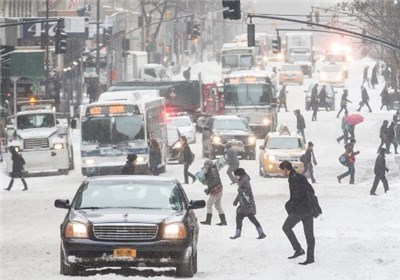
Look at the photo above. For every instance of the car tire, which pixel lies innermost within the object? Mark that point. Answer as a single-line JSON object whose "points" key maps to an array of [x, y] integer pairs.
{"points": [[71, 270], [186, 270]]}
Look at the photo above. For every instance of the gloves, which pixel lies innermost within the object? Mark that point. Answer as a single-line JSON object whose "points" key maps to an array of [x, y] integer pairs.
{"points": [[206, 191]]}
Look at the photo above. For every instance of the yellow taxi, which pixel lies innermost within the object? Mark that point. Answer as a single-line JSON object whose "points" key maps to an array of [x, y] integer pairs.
{"points": [[291, 74], [280, 146]]}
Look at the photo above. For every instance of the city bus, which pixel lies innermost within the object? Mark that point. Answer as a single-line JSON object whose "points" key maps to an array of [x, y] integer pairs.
{"points": [[111, 129], [252, 94]]}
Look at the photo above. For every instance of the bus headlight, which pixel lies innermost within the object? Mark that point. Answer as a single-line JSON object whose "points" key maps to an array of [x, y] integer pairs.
{"points": [[58, 146], [252, 140], [216, 140]]}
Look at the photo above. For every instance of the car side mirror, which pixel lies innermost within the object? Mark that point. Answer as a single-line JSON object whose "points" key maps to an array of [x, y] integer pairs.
{"points": [[197, 204], [62, 203]]}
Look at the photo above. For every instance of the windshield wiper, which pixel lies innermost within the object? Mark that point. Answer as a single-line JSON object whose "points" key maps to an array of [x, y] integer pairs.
{"points": [[91, 208]]}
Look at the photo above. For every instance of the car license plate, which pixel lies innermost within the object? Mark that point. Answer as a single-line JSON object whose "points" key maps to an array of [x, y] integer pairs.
{"points": [[125, 252]]}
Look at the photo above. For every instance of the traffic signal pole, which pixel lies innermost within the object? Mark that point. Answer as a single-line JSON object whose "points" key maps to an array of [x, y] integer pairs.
{"points": [[344, 31]]}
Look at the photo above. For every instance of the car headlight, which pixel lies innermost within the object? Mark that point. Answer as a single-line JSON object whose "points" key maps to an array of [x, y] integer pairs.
{"points": [[270, 157], [89, 161], [76, 230], [17, 148], [141, 159], [174, 231], [216, 140], [266, 121], [58, 146], [252, 140]]}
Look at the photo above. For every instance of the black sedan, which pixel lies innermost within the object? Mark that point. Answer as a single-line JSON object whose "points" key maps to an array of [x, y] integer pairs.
{"points": [[126, 221]]}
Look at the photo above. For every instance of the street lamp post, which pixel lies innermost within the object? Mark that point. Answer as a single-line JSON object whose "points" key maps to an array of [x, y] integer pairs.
{"points": [[14, 79]]}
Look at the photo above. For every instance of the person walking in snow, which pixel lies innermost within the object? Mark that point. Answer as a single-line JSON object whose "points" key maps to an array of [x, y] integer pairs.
{"points": [[391, 137], [299, 209], [380, 169], [282, 98], [350, 159], [343, 102], [365, 77], [323, 95], [232, 161], [18, 163], [215, 191], [187, 159], [344, 127], [301, 124], [385, 98], [374, 75], [247, 205], [383, 134], [364, 99], [308, 161]]}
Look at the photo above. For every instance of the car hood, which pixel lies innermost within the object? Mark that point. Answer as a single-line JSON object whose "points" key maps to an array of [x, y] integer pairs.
{"points": [[126, 215], [230, 132]]}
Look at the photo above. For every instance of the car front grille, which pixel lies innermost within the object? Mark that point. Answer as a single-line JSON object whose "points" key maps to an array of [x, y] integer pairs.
{"points": [[125, 232], [231, 138], [36, 143]]}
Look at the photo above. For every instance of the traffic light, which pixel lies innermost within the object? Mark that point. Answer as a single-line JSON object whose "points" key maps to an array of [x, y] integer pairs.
{"points": [[251, 35], [233, 11], [61, 36], [317, 17], [195, 31], [276, 45]]}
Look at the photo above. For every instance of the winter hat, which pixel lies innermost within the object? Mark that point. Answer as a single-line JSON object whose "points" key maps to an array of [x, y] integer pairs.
{"points": [[132, 157], [310, 144], [239, 172], [208, 162]]}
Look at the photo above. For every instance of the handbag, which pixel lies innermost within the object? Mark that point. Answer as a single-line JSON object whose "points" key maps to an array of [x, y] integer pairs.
{"points": [[343, 160], [315, 208]]}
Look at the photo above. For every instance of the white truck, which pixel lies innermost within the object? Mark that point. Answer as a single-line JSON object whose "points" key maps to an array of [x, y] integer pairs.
{"points": [[134, 62], [41, 138], [299, 50]]}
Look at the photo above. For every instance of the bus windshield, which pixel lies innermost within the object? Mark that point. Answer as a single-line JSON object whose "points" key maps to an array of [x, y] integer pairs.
{"points": [[112, 130], [245, 61], [247, 94]]}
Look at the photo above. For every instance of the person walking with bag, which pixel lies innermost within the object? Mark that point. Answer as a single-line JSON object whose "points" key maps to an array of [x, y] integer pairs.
{"points": [[232, 161], [17, 168], [247, 205], [215, 191], [350, 160], [364, 99], [301, 124], [187, 156], [282, 98], [299, 209], [379, 170]]}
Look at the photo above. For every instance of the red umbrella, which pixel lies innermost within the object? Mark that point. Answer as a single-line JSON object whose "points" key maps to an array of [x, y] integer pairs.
{"points": [[354, 119]]}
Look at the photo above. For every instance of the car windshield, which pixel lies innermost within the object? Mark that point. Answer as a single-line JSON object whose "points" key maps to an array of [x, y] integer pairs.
{"points": [[230, 125], [112, 130], [248, 94], [284, 143], [35, 121], [128, 194], [179, 122]]}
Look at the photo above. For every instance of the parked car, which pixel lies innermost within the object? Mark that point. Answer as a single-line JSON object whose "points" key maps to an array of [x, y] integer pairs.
{"points": [[277, 147], [221, 130], [330, 100], [291, 73], [128, 221], [333, 74], [174, 144], [185, 125]]}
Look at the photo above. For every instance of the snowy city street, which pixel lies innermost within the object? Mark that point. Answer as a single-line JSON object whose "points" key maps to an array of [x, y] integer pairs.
{"points": [[357, 236]]}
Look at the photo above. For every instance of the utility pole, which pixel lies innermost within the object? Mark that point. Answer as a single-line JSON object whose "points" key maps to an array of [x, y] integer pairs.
{"points": [[98, 40], [46, 84]]}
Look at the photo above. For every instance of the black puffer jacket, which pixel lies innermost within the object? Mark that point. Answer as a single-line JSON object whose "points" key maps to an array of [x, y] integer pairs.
{"points": [[245, 198], [298, 186]]}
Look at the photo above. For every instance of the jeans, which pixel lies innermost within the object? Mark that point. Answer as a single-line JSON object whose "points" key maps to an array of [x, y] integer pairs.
{"points": [[308, 225], [186, 172], [240, 217], [301, 132], [351, 171]]}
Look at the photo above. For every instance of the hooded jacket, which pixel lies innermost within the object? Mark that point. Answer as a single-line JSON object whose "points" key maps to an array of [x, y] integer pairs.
{"points": [[245, 198]]}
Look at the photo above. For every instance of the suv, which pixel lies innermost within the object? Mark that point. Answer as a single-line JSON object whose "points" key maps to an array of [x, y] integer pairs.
{"points": [[280, 146], [221, 130]]}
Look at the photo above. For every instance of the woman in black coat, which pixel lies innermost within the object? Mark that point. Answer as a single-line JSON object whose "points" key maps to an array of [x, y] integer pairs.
{"points": [[247, 205], [17, 168]]}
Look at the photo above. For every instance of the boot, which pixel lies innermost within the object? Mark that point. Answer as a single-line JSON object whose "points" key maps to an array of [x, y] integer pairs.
{"points": [[10, 185], [237, 234], [208, 220], [261, 234], [223, 220]]}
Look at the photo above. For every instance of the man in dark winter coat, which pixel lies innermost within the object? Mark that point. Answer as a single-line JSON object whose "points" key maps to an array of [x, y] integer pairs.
{"points": [[247, 205], [232, 161], [323, 95], [343, 102], [282, 98], [365, 77], [129, 167], [385, 98], [309, 160], [391, 137], [383, 134], [364, 99], [314, 102], [301, 124], [17, 168], [298, 208], [187, 160], [379, 170], [215, 190]]}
